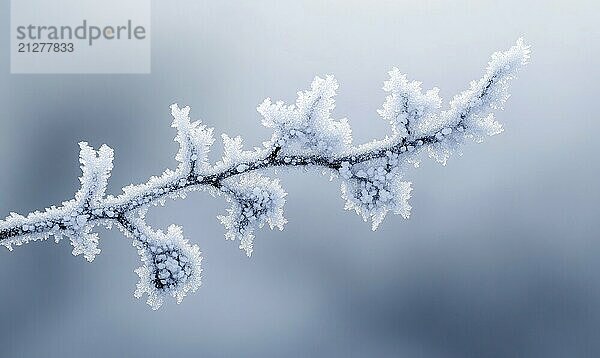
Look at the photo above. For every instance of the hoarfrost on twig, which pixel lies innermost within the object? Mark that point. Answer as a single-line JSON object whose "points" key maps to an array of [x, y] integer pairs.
{"points": [[304, 135]]}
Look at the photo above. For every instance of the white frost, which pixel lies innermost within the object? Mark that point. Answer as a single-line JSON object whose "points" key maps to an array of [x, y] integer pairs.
{"points": [[255, 201], [373, 188], [194, 139], [96, 167], [307, 126], [304, 134], [406, 105], [171, 266]]}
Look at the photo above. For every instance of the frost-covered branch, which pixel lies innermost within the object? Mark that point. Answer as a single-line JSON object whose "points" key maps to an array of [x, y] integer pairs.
{"points": [[304, 135]]}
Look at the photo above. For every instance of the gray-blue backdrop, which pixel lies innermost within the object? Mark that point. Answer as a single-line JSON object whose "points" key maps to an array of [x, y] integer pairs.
{"points": [[500, 259]]}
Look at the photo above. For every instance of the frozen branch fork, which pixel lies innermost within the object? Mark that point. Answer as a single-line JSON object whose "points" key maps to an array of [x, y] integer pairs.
{"points": [[304, 135]]}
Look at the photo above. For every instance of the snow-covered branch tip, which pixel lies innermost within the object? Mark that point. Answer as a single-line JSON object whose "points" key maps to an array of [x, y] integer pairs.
{"points": [[304, 135]]}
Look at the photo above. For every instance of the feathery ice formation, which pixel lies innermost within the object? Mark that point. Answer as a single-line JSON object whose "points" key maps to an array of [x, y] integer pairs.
{"points": [[304, 135]]}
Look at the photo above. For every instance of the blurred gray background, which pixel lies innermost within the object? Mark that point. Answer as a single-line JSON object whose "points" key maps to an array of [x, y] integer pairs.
{"points": [[501, 257]]}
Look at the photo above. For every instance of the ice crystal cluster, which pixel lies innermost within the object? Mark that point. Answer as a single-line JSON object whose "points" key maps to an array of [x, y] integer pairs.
{"points": [[256, 200], [171, 266], [303, 135], [307, 126]]}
